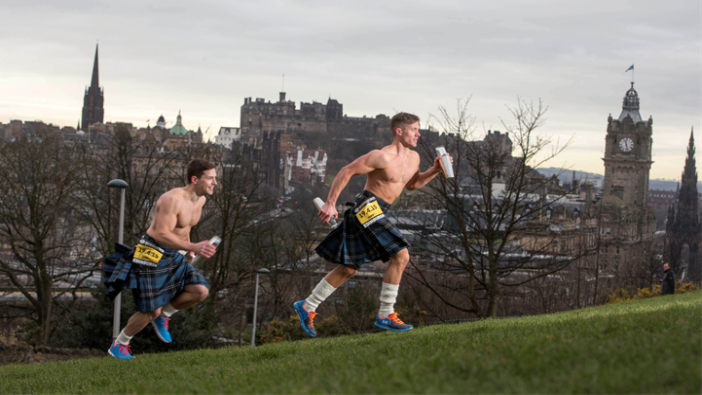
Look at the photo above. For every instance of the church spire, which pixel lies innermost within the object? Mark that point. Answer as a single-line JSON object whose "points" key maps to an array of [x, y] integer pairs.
{"points": [[94, 99], [95, 82], [690, 172], [688, 183]]}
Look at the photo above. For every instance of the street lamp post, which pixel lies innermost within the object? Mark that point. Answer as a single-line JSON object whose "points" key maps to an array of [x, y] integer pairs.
{"points": [[253, 332], [120, 184]]}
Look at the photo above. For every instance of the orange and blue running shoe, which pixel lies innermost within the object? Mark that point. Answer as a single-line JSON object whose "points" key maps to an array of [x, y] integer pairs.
{"points": [[120, 351], [392, 323], [306, 318], [161, 326]]}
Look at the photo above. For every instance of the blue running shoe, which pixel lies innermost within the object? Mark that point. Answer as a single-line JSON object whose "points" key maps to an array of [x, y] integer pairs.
{"points": [[120, 351], [161, 326], [392, 323], [306, 318]]}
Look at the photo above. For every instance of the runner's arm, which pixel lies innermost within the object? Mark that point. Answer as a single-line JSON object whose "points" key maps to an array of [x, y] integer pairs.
{"points": [[165, 220], [167, 209], [421, 179], [363, 165]]}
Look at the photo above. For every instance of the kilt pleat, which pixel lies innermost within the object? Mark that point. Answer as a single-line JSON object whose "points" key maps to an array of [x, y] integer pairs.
{"points": [[352, 244], [152, 287]]}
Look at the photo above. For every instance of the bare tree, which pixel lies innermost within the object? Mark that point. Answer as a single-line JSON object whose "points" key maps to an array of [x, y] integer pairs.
{"points": [[50, 247], [494, 200], [304, 232]]}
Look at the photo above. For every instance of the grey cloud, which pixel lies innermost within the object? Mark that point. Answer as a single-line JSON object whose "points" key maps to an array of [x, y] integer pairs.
{"points": [[373, 56]]}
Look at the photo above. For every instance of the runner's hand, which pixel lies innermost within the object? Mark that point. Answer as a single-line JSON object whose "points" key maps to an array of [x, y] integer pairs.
{"points": [[437, 161], [327, 212], [205, 249]]}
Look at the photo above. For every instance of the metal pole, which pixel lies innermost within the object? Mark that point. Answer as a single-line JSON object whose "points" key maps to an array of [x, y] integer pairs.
{"points": [[121, 219], [253, 332], [118, 299]]}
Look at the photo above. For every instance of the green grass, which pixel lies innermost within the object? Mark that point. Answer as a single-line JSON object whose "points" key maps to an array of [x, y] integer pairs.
{"points": [[649, 346]]}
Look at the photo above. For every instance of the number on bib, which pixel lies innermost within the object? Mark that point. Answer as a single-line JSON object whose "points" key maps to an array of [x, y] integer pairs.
{"points": [[145, 253], [368, 212]]}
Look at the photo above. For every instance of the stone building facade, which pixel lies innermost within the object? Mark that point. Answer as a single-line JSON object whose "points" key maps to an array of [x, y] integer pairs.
{"points": [[302, 137], [314, 117], [305, 167]]}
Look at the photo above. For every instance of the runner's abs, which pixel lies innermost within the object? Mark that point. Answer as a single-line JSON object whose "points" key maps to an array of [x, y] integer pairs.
{"points": [[387, 194], [181, 233]]}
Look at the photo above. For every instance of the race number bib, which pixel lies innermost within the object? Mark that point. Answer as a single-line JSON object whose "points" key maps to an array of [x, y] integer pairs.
{"points": [[369, 212], [147, 254]]}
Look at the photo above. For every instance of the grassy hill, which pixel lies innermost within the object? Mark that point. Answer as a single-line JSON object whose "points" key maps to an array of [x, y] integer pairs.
{"points": [[649, 346]]}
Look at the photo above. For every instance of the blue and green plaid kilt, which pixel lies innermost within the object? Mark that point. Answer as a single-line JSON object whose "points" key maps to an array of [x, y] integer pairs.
{"points": [[152, 287], [352, 244]]}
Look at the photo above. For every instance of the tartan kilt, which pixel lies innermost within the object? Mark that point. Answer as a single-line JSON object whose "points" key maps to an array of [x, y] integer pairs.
{"points": [[152, 287], [352, 244]]}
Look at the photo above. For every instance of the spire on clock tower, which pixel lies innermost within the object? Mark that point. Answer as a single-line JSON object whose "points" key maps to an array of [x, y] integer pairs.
{"points": [[630, 106]]}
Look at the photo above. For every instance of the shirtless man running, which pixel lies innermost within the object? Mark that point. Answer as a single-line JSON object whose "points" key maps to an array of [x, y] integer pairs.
{"points": [[160, 278], [366, 235]]}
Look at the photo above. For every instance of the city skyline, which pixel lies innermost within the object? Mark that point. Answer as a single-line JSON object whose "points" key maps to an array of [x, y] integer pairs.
{"points": [[373, 58]]}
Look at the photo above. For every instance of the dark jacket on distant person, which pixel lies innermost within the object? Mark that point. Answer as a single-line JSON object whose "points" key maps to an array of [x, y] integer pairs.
{"points": [[668, 283]]}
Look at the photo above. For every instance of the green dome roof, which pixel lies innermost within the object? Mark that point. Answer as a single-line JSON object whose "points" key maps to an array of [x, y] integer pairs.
{"points": [[178, 129]]}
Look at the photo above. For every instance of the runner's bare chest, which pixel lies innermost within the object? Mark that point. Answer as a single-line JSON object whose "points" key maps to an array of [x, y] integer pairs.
{"points": [[189, 215], [399, 170]]}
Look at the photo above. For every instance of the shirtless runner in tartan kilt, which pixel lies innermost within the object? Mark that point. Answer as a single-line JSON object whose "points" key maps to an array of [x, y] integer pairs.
{"points": [[366, 235], [160, 278]]}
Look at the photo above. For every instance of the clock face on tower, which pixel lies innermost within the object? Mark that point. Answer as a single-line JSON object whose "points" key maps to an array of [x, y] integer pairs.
{"points": [[626, 144]]}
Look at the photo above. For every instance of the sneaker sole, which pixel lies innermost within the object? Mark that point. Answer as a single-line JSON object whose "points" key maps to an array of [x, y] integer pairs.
{"points": [[302, 321], [393, 330], [113, 355], [158, 334]]}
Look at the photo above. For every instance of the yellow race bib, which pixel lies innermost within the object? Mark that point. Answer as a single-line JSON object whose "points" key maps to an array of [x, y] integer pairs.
{"points": [[147, 254], [368, 212]]}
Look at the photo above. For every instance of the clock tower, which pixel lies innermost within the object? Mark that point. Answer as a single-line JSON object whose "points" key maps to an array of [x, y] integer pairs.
{"points": [[627, 157], [625, 219]]}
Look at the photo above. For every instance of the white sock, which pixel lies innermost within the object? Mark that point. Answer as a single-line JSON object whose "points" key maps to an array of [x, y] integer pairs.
{"points": [[123, 339], [168, 310], [319, 294], [388, 295]]}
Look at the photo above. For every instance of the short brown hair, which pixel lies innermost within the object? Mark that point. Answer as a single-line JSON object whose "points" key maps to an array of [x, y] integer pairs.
{"points": [[197, 167], [402, 119]]}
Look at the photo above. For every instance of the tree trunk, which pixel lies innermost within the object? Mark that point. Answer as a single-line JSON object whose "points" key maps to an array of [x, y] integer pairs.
{"points": [[492, 290], [44, 297]]}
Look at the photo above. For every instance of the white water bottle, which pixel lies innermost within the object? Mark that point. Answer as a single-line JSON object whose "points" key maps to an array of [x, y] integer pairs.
{"points": [[199, 259], [446, 164], [319, 203]]}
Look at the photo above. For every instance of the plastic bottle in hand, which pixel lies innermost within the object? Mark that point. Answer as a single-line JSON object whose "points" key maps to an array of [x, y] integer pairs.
{"points": [[199, 259], [319, 203]]}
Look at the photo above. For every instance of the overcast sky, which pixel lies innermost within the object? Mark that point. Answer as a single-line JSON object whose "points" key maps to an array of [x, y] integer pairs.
{"points": [[375, 57]]}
